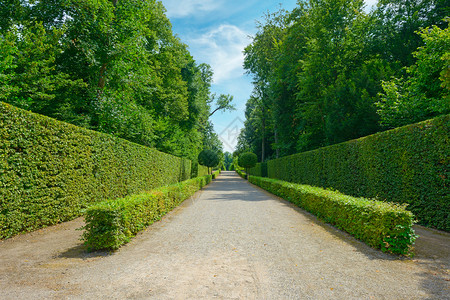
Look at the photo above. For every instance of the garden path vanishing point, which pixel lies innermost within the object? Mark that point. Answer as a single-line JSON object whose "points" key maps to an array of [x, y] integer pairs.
{"points": [[230, 241]]}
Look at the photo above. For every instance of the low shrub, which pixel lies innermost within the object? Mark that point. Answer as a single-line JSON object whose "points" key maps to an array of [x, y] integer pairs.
{"points": [[241, 173], [215, 174], [110, 224], [382, 225], [410, 164]]}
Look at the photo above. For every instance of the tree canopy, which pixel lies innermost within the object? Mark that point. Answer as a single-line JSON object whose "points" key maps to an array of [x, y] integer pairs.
{"points": [[247, 160], [327, 72], [109, 65], [208, 158]]}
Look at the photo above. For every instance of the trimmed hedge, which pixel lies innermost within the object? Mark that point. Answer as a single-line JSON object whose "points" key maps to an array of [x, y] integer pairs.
{"points": [[216, 174], [242, 174], [382, 225], [202, 170], [410, 164], [198, 170], [110, 224], [51, 170], [259, 170]]}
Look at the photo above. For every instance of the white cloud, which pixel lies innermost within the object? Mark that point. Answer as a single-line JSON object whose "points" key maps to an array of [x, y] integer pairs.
{"points": [[370, 4], [183, 8], [222, 48]]}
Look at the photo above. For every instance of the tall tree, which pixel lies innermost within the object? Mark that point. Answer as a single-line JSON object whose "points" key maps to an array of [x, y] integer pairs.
{"points": [[425, 92], [109, 65], [321, 72]]}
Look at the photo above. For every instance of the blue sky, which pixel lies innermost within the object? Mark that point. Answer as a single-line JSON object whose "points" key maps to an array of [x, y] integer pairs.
{"points": [[217, 31]]}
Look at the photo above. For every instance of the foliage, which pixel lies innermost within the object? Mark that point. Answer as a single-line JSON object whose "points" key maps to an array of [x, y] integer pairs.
{"points": [[208, 158], [242, 174], [215, 174], [228, 161], [260, 170], [248, 160], [319, 71], [202, 171], [407, 165], [109, 65], [110, 224], [51, 170], [28, 75], [382, 225], [425, 93], [223, 102]]}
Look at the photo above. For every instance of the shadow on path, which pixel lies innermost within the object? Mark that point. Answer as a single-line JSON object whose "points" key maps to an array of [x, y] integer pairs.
{"points": [[81, 252]]}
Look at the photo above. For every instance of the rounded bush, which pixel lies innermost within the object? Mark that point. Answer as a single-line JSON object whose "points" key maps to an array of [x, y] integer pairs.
{"points": [[248, 160], [208, 158]]}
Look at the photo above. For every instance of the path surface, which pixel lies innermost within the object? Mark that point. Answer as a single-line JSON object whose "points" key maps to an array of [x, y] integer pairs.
{"points": [[230, 241]]}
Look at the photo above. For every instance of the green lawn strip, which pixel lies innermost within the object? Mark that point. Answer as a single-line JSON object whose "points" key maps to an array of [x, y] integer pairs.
{"points": [[110, 224], [382, 225]]}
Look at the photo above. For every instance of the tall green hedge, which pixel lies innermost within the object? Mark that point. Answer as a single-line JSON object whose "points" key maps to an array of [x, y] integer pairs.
{"points": [[202, 170], [51, 170], [198, 170], [259, 170], [410, 164]]}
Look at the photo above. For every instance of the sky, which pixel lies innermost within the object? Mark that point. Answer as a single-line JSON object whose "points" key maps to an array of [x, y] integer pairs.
{"points": [[216, 32]]}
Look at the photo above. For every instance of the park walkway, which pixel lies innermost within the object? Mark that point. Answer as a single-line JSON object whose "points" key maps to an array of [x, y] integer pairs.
{"points": [[230, 241]]}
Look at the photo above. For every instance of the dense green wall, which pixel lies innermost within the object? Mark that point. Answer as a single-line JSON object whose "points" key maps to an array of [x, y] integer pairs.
{"points": [[202, 170], [259, 170], [410, 164], [51, 170]]}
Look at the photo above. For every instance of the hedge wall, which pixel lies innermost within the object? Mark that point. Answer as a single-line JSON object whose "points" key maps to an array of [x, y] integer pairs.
{"points": [[382, 225], [409, 164], [202, 170], [259, 170], [50, 170], [110, 224]]}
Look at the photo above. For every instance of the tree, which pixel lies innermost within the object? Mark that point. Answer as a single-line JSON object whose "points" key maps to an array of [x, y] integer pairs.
{"points": [[29, 75], [109, 65], [223, 102], [248, 160], [425, 92], [320, 71], [393, 34], [261, 61], [208, 158], [228, 160]]}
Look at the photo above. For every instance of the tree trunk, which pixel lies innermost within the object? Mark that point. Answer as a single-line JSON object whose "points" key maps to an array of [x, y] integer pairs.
{"points": [[102, 81], [276, 143], [263, 139]]}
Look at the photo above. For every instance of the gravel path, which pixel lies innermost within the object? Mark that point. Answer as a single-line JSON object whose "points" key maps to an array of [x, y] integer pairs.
{"points": [[231, 241]]}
